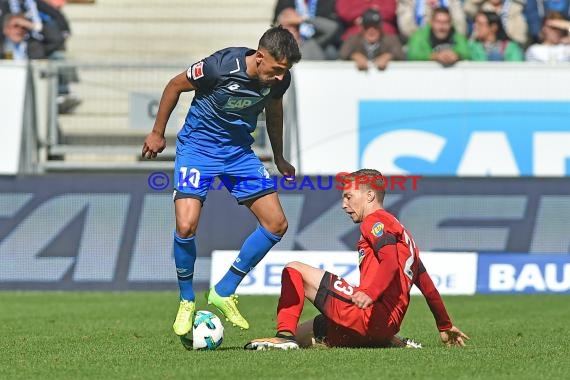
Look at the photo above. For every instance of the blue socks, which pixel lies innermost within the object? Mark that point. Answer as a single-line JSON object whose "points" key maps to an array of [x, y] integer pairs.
{"points": [[252, 252], [184, 257], [254, 248]]}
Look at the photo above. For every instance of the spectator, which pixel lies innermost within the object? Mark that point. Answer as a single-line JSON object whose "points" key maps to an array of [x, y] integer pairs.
{"points": [[14, 32], [438, 41], [49, 28], [40, 12], [551, 49], [51, 13], [17, 41], [313, 23], [535, 11], [371, 45], [350, 13], [29, 9], [562, 25], [510, 12], [413, 14], [491, 42]]}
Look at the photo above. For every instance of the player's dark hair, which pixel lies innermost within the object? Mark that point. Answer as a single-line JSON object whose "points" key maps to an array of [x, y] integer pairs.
{"points": [[280, 43], [376, 182]]}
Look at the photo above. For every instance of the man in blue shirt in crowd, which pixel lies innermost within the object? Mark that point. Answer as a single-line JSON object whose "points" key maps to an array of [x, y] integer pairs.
{"points": [[232, 87]]}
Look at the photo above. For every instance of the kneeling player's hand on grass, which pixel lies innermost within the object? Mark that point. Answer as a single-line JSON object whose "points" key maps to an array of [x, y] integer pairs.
{"points": [[361, 300], [453, 337]]}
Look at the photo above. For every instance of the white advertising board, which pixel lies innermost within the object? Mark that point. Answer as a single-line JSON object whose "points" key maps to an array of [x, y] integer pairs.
{"points": [[12, 94], [452, 273], [490, 119]]}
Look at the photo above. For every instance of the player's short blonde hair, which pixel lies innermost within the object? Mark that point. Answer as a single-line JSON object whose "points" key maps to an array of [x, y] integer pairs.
{"points": [[369, 179]]}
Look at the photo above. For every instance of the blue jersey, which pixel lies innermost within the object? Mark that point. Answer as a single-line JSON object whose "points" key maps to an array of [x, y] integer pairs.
{"points": [[227, 102]]}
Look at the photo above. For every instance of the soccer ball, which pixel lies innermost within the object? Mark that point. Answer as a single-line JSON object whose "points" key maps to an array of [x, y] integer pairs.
{"points": [[207, 332]]}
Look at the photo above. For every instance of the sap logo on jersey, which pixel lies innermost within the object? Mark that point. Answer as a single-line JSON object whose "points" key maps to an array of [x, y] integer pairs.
{"points": [[240, 102], [465, 138], [526, 274]]}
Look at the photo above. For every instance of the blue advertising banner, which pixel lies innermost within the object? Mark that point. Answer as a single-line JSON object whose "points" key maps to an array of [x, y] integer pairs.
{"points": [[499, 273], [465, 138]]}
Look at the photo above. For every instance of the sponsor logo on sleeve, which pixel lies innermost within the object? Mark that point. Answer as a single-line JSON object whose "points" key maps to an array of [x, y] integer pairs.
{"points": [[377, 229], [361, 255], [197, 70]]}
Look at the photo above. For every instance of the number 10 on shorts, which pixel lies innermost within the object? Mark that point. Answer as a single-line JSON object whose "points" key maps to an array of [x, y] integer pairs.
{"points": [[188, 177]]}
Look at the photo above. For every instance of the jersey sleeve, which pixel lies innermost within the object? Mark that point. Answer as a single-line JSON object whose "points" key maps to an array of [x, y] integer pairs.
{"points": [[381, 271], [433, 299], [204, 74], [278, 91]]}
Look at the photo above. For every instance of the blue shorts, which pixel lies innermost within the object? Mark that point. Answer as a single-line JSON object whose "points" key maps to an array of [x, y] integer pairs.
{"points": [[241, 172]]}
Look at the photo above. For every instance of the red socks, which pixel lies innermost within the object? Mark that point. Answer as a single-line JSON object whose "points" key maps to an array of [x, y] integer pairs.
{"points": [[291, 301]]}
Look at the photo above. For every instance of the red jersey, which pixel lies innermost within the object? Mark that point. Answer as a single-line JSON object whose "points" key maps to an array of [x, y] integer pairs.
{"points": [[389, 266]]}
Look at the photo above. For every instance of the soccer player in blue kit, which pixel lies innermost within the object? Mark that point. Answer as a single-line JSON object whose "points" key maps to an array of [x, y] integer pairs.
{"points": [[232, 87]]}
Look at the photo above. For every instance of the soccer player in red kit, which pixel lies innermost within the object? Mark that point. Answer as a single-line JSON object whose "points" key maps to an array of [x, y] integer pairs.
{"points": [[368, 315]]}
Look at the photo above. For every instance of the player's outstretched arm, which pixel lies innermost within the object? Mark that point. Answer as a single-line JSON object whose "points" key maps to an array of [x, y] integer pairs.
{"points": [[155, 142], [453, 337], [449, 334], [433, 299]]}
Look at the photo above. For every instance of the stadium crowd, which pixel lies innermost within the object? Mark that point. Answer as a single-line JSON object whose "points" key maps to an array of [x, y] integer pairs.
{"points": [[375, 32], [371, 33], [38, 29]]}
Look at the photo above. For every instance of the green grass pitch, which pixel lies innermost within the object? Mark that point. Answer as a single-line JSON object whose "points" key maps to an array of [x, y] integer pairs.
{"points": [[128, 336]]}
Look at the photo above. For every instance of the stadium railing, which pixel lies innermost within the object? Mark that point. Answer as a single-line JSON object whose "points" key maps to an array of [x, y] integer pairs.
{"points": [[117, 110]]}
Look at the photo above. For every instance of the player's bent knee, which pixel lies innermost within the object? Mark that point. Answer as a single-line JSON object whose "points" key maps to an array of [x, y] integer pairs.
{"points": [[295, 265], [278, 227], [185, 230], [185, 234], [281, 227]]}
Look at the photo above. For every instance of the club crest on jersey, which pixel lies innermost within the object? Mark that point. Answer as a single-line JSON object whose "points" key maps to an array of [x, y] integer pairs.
{"points": [[265, 91], [360, 256], [198, 70], [377, 229]]}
